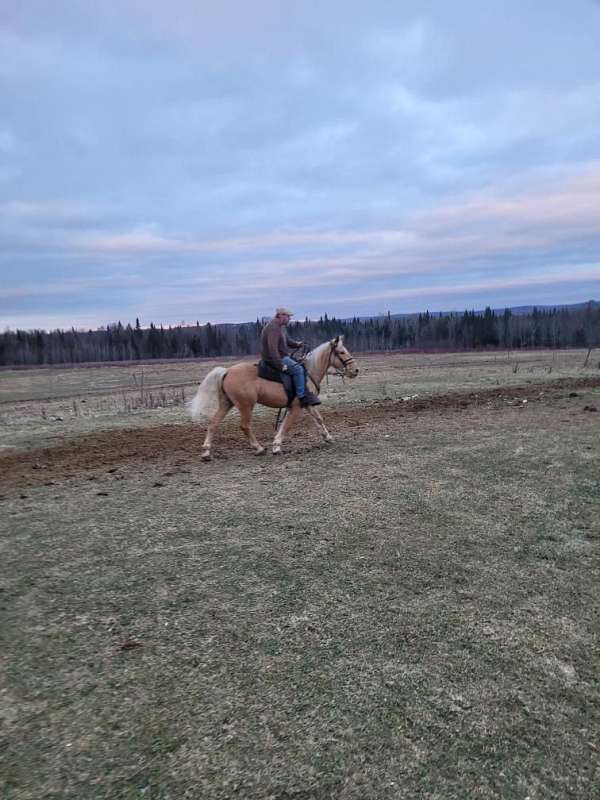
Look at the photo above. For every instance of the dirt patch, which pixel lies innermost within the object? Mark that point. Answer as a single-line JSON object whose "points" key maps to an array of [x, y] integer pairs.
{"points": [[177, 444]]}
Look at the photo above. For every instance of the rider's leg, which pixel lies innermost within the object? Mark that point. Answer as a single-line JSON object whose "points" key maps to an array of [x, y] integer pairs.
{"points": [[297, 372]]}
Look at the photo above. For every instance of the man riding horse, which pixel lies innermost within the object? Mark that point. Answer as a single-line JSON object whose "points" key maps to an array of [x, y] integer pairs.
{"points": [[275, 350], [241, 385]]}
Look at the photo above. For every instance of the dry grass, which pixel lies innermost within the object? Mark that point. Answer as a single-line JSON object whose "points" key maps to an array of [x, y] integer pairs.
{"points": [[47, 406], [411, 613]]}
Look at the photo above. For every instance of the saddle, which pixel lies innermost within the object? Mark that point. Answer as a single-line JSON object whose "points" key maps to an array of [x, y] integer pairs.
{"points": [[270, 373]]}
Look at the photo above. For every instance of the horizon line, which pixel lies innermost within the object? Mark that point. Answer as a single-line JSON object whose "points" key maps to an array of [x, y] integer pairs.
{"points": [[382, 315]]}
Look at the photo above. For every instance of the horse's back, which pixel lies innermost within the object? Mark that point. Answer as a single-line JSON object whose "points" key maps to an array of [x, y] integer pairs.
{"points": [[243, 371], [242, 383]]}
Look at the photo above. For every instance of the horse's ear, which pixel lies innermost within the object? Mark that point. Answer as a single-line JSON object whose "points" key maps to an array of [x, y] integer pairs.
{"points": [[335, 341]]}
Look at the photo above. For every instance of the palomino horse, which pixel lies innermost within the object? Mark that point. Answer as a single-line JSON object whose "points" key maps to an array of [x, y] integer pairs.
{"points": [[241, 387]]}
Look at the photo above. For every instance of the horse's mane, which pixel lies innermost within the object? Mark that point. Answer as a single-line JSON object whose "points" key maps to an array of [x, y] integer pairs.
{"points": [[314, 356], [317, 351]]}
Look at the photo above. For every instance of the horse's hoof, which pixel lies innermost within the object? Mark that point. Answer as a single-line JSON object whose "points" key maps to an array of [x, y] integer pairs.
{"points": [[260, 452], [329, 440], [277, 451], [206, 456]]}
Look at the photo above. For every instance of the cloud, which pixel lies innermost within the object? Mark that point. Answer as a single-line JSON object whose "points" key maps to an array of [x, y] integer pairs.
{"points": [[560, 207], [69, 287], [583, 275], [536, 217], [232, 145]]}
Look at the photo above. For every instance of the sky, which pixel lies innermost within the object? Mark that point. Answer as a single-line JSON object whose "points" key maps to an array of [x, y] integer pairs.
{"points": [[192, 161]]}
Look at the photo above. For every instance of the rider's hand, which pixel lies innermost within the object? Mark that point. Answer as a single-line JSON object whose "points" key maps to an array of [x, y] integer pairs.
{"points": [[284, 368]]}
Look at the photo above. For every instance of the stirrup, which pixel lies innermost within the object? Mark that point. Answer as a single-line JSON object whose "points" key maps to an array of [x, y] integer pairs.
{"points": [[309, 399]]}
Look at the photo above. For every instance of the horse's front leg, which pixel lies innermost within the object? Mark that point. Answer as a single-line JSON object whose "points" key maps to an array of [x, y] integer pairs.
{"points": [[292, 415], [318, 420]]}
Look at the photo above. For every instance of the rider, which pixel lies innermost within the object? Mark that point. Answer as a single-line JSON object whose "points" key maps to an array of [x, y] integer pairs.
{"points": [[275, 350]]}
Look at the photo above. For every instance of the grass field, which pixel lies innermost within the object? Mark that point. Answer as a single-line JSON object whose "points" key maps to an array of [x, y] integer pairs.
{"points": [[412, 612]]}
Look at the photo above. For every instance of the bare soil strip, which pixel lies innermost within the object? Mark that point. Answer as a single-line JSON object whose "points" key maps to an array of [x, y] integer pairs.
{"points": [[180, 443]]}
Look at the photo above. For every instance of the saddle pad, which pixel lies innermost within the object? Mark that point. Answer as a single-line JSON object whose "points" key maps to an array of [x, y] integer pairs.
{"points": [[271, 374]]}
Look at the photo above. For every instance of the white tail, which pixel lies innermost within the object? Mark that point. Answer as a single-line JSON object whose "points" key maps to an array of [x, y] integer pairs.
{"points": [[206, 400]]}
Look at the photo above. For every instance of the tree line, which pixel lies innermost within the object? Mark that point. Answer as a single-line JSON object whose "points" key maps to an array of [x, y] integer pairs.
{"points": [[553, 328]]}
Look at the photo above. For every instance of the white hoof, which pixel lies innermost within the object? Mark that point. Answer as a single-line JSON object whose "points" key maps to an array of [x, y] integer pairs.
{"points": [[276, 449], [328, 439], [206, 456], [260, 452]]}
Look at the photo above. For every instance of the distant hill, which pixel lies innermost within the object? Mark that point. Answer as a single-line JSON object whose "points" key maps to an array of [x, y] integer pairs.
{"points": [[570, 307], [517, 310]]}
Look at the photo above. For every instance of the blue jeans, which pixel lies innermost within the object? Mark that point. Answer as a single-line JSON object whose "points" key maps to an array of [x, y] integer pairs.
{"points": [[297, 372]]}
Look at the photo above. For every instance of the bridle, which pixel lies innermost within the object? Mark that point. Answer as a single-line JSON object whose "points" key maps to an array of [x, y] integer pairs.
{"points": [[345, 362], [333, 353]]}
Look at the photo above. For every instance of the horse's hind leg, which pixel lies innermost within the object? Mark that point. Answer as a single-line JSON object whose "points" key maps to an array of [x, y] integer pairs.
{"points": [[216, 420], [292, 415], [246, 426]]}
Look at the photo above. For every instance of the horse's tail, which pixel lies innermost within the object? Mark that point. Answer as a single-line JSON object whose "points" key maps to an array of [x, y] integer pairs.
{"points": [[210, 393]]}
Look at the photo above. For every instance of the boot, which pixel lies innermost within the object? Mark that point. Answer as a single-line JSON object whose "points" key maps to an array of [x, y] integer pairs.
{"points": [[309, 399]]}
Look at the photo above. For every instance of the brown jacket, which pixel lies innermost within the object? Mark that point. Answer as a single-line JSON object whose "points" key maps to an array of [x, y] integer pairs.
{"points": [[275, 344]]}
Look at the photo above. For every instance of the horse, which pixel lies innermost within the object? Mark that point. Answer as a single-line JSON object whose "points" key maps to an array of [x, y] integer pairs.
{"points": [[240, 386]]}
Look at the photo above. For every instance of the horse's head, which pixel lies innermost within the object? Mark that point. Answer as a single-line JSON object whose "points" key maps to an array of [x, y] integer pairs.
{"points": [[341, 359]]}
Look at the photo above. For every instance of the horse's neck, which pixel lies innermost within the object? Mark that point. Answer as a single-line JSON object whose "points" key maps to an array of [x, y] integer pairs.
{"points": [[316, 363]]}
